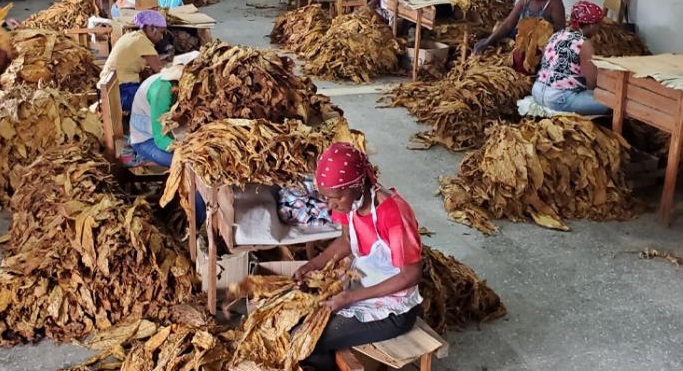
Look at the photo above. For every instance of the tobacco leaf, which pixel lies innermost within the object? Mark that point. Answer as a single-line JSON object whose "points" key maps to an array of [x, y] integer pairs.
{"points": [[670, 257], [33, 121], [63, 15], [477, 93], [488, 13], [612, 40], [532, 36], [453, 293], [82, 256], [238, 152], [49, 58], [301, 29], [230, 82], [357, 47], [563, 167]]}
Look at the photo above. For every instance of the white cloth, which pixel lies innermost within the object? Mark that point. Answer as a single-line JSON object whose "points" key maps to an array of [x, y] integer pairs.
{"points": [[376, 267], [141, 128]]}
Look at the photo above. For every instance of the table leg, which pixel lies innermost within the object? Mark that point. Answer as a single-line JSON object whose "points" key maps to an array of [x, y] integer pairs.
{"points": [[394, 26], [426, 362], [192, 218], [418, 37], [620, 100], [213, 254], [667, 203]]}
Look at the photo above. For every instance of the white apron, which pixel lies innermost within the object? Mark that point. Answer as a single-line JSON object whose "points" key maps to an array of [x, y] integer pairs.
{"points": [[376, 267]]}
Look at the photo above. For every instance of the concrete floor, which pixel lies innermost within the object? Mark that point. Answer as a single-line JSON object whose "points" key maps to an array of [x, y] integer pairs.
{"points": [[577, 300]]}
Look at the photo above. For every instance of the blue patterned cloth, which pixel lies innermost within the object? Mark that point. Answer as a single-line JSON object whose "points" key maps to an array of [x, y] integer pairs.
{"points": [[302, 207]]}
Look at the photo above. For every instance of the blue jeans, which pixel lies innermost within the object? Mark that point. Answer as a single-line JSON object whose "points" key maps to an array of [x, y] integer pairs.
{"points": [[128, 91], [151, 152], [582, 102]]}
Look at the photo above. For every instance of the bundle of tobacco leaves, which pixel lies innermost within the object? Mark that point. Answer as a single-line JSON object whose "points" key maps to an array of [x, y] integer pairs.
{"points": [[63, 15], [563, 167], [238, 152], [357, 46], [532, 36], [199, 3], [33, 121], [80, 256], [488, 12], [453, 294], [475, 94], [185, 339], [184, 41], [240, 82], [612, 40], [301, 29], [49, 58], [265, 336], [457, 33]]}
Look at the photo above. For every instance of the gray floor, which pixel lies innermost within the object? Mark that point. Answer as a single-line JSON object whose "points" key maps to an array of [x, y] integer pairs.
{"points": [[576, 300]]}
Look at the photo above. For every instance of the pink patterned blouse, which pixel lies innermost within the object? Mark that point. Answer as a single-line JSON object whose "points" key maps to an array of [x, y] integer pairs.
{"points": [[561, 63]]}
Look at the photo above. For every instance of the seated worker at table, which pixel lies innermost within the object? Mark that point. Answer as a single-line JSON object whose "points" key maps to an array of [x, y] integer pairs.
{"points": [[380, 232], [567, 76], [121, 4], [154, 98], [550, 10], [134, 51]]}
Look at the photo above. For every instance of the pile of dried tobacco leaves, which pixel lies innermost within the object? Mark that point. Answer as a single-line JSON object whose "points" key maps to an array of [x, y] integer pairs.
{"points": [[612, 40], [33, 121], [453, 294], [80, 256], [301, 29], [50, 58], [474, 95], [240, 82], [532, 37], [564, 167], [357, 46], [63, 15], [238, 152]]}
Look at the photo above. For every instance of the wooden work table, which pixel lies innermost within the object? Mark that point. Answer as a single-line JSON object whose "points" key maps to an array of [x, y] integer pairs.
{"points": [[659, 106]]}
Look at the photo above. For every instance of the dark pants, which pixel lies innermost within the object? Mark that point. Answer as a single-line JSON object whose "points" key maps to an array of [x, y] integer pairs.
{"points": [[127, 92], [344, 333]]}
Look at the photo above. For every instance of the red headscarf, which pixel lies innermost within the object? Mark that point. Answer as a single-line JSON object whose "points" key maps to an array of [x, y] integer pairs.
{"points": [[585, 12], [343, 166]]}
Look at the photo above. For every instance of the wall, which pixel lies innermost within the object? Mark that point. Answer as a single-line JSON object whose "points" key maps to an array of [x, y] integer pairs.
{"points": [[656, 23]]}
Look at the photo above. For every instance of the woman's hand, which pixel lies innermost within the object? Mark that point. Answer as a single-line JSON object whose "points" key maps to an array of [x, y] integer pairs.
{"points": [[300, 273], [339, 301], [481, 46]]}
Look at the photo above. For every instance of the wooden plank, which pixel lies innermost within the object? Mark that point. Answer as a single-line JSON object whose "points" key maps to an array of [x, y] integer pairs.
{"points": [[443, 351], [603, 96], [620, 102], [666, 204], [189, 173], [607, 80], [402, 350], [426, 362], [428, 13], [418, 39], [652, 100], [213, 259], [654, 86], [650, 116], [347, 361]]}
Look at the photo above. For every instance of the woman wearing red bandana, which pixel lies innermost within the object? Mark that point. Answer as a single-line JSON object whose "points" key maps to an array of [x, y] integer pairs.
{"points": [[567, 76], [380, 232]]}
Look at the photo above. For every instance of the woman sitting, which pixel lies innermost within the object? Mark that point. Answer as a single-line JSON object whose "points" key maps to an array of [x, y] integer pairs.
{"points": [[154, 98], [380, 232], [550, 10], [567, 76], [134, 51], [121, 4]]}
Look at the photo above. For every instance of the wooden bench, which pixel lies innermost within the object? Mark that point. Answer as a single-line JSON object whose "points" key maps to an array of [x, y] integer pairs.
{"points": [[100, 49], [347, 6], [417, 346], [112, 121]]}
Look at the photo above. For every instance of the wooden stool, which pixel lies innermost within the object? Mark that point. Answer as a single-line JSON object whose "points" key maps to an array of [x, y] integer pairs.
{"points": [[417, 345]]}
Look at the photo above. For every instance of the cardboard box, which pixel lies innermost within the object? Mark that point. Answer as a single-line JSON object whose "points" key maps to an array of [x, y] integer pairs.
{"points": [[146, 4], [431, 53]]}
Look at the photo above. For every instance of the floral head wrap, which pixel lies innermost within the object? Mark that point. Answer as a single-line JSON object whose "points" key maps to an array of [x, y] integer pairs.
{"points": [[585, 12]]}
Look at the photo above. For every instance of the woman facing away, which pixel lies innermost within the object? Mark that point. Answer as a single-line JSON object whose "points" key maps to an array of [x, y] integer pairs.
{"points": [[380, 233], [567, 76]]}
